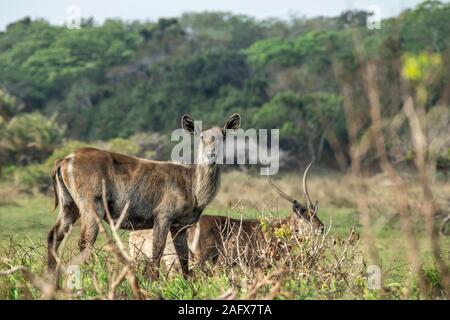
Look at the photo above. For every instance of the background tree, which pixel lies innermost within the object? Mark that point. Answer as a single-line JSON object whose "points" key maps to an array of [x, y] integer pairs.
{"points": [[30, 138]]}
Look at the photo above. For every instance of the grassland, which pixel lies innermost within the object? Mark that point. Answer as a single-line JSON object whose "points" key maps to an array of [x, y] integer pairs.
{"points": [[25, 220]]}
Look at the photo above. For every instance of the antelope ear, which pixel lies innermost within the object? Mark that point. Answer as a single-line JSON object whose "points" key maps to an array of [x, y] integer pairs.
{"points": [[233, 123], [316, 206], [187, 123]]}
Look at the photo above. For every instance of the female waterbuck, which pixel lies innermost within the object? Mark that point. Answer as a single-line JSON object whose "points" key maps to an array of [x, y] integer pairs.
{"points": [[160, 195]]}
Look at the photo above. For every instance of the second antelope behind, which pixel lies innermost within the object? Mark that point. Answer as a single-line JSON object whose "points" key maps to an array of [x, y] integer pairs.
{"points": [[215, 236]]}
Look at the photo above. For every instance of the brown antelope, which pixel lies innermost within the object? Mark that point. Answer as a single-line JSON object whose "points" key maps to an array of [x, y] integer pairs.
{"points": [[159, 195], [212, 236]]}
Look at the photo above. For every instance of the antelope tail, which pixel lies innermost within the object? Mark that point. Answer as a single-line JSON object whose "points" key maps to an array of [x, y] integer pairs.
{"points": [[55, 183]]}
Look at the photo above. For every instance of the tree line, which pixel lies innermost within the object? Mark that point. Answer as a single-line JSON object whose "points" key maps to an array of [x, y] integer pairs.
{"points": [[119, 80]]}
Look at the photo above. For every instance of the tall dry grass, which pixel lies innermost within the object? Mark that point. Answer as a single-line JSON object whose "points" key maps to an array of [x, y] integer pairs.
{"points": [[366, 130]]}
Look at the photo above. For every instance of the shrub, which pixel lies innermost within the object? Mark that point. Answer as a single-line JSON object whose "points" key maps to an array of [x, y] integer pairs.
{"points": [[30, 138]]}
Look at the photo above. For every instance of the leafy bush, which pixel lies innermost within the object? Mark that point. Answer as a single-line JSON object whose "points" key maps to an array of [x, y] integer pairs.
{"points": [[30, 138], [32, 178]]}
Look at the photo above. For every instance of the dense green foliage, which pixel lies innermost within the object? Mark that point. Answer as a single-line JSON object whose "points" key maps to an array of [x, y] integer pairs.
{"points": [[122, 78]]}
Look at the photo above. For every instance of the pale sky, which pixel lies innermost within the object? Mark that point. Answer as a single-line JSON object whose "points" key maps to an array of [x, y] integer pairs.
{"points": [[56, 11]]}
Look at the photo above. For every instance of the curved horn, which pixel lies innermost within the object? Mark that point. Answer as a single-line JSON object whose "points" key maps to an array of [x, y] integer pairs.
{"points": [[281, 193], [305, 187]]}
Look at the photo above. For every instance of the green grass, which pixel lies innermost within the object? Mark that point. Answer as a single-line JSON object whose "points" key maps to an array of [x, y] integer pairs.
{"points": [[27, 219], [27, 216]]}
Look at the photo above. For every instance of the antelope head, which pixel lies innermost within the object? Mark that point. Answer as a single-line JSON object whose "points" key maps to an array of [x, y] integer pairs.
{"points": [[307, 215], [210, 139]]}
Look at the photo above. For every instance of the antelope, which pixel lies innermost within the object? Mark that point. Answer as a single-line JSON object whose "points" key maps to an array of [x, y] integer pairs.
{"points": [[163, 196], [213, 235]]}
